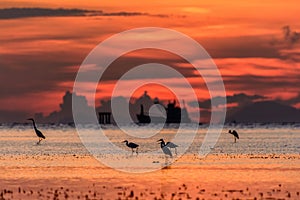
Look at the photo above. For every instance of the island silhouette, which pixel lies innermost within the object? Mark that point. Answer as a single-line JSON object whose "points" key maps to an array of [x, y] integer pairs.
{"points": [[253, 111]]}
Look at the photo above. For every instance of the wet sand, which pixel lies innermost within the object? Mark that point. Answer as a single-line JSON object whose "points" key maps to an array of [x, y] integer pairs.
{"points": [[269, 176]]}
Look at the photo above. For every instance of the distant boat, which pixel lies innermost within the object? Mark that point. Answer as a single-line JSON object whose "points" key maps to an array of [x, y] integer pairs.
{"points": [[174, 115], [145, 119]]}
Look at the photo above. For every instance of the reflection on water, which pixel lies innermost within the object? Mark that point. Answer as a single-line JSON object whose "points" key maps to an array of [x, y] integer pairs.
{"points": [[264, 163]]}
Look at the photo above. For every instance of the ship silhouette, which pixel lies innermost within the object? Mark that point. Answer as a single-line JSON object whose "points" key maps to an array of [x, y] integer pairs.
{"points": [[172, 114]]}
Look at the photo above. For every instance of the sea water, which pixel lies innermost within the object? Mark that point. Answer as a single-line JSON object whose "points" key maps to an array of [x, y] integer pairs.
{"points": [[64, 139], [264, 161]]}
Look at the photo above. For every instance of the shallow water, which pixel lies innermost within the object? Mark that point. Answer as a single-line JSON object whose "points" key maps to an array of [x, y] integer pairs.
{"points": [[264, 163], [64, 140]]}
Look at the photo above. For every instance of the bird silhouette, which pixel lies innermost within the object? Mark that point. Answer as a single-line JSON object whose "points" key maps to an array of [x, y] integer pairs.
{"points": [[170, 145], [235, 135], [165, 148], [132, 146], [37, 132]]}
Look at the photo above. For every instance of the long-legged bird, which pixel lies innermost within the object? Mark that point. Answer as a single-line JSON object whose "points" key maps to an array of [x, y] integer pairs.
{"points": [[165, 148], [37, 132], [170, 145], [235, 135], [132, 146]]}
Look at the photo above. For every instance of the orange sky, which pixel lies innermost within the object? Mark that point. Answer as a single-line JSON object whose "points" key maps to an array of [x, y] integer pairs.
{"points": [[39, 56]]}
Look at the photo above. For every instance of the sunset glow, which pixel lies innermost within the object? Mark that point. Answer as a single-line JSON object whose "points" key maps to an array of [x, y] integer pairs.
{"points": [[40, 55]]}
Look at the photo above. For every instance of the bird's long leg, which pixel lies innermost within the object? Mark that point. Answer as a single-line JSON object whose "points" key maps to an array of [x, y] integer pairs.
{"points": [[39, 141], [166, 160], [234, 139], [137, 150], [175, 150]]}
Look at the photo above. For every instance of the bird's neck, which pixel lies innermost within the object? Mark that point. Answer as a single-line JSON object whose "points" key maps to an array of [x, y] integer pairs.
{"points": [[34, 126]]}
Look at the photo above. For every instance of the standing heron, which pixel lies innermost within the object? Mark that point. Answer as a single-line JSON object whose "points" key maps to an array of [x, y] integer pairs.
{"points": [[165, 148], [235, 134], [170, 145], [132, 146], [37, 132]]}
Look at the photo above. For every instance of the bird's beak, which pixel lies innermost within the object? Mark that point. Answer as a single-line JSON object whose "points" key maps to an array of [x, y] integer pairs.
{"points": [[123, 141]]}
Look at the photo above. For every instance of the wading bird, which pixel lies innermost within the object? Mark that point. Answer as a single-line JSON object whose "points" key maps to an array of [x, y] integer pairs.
{"points": [[170, 145], [235, 135], [132, 146], [165, 148], [37, 132]]}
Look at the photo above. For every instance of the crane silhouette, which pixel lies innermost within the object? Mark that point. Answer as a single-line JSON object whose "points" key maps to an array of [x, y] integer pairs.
{"points": [[235, 135], [132, 146], [37, 132], [165, 148], [170, 145]]}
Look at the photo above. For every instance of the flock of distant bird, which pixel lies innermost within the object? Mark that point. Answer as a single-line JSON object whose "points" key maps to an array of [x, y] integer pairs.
{"points": [[170, 145], [134, 147], [164, 146]]}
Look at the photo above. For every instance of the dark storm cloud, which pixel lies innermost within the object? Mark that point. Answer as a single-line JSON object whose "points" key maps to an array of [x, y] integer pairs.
{"points": [[287, 44], [125, 63], [255, 46], [65, 113], [128, 14], [36, 72], [291, 101], [41, 71], [70, 37], [240, 47], [241, 99], [14, 13], [263, 83]]}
